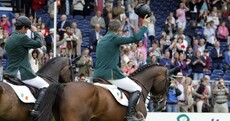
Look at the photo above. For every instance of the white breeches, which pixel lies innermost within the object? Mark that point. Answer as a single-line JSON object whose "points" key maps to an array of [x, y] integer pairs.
{"points": [[126, 84], [36, 82]]}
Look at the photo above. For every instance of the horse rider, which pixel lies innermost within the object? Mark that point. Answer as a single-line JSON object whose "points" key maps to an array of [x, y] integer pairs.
{"points": [[17, 47], [107, 54]]}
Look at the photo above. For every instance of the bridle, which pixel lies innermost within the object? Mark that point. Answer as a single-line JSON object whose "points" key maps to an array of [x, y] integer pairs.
{"points": [[72, 68], [156, 99]]}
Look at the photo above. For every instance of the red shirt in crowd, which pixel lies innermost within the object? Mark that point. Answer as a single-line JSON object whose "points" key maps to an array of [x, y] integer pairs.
{"points": [[37, 4]]}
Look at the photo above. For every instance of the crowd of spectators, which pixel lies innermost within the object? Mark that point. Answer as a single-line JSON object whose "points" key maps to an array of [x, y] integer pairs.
{"points": [[194, 38]]}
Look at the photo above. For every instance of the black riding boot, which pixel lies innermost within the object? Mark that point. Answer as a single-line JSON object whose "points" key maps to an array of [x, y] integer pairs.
{"points": [[35, 109], [134, 97]]}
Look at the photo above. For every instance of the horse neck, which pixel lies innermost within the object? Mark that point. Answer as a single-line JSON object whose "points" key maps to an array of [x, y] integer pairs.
{"points": [[147, 78], [51, 72]]}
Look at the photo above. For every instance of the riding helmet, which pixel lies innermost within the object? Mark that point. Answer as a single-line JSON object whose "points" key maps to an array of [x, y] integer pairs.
{"points": [[23, 21], [142, 10]]}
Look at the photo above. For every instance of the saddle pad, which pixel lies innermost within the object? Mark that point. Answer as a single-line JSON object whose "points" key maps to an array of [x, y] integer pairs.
{"points": [[23, 93], [117, 94]]}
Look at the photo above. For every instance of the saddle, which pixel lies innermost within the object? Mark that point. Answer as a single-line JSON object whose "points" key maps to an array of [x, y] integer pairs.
{"points": [[15, 81], [102, 81]]}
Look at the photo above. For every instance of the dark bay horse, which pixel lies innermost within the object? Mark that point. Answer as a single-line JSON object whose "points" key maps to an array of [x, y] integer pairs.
{"points": [[56, 70], [78, 101]]}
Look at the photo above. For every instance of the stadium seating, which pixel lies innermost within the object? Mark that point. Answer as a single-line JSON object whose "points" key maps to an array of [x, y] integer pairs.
{"points": [[218, 72], [215, 77], [226, 77], [208, 73]]}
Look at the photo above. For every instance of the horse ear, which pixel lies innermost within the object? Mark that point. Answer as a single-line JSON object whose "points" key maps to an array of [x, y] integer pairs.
{"points": [[173, 71], [73, 61]]}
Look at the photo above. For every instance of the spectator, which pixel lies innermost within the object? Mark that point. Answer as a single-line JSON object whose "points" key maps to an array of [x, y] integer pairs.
{"points": [[107, 12], [85, 64], [154, 60], [107, 9], [228, 23], [207, 60], [65, 7], [180, 34], [193, 9], [134, 54], [94, 37], [51, 6], [217, 56], [189, 96], [35, 57], [225, 13], [170, 28], [16, 15], [151, 28], [62, 25], [209, 34], [155, 50], [37, 4], [182, 98], [125, 58], [182, 63], [227, 59], [171, 15], [201, 46], [212, 17], [78, 7], [98, 20], [189, 52], [198, 64], [44, 30], [223, 33], [129, 69], [181, 18], [118, 10], [59, 45], [49, 40], [181, 45], [141, 61], [133, 18], [221, 92], [172, 100], [202, 95], [50, 22], [166, 61], [68, 36], [5, 23], [142, 47], [82, 78], [99, 5], [78, 36]]}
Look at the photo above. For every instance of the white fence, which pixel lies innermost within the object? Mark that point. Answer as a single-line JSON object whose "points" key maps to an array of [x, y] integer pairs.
{"points": [[188, 117]]}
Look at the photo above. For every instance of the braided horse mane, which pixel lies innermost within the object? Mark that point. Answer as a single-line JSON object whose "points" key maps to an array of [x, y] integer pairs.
{"points": [[146, 66]]}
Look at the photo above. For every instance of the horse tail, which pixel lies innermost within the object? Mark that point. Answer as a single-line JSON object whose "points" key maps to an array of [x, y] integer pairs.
{"points": [[51, 94]]}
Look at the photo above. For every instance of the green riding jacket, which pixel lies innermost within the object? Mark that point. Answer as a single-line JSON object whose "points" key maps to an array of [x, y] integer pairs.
{"points": [[107, 54], [17, 48]]}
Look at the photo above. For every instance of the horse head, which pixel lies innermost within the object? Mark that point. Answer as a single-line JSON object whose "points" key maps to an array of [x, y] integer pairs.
{"points": [[159, 99]]}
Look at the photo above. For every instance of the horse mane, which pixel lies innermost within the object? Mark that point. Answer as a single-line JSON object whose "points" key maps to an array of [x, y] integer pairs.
{"points": [[44, 67], [146, 66]]}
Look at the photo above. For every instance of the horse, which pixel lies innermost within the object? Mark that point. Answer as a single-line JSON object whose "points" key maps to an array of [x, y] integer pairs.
{"points": [[79, 101], [56, 70]]}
